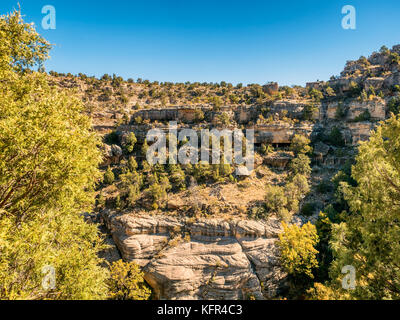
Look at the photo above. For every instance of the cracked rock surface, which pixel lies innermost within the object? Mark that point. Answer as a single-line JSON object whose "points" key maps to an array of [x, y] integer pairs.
{"points": [[203, 259]]}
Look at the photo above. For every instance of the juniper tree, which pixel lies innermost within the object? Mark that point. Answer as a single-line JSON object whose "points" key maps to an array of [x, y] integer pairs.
{"points": [[369, 239]]}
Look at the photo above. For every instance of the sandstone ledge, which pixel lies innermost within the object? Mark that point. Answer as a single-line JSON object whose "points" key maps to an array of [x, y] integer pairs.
{"points": [[203, 259]]}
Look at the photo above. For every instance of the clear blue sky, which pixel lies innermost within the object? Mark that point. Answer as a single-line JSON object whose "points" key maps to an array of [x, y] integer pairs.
{"points": [[250, 41]]}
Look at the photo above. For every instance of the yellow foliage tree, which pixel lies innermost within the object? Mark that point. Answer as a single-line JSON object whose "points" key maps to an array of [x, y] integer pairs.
{"points": [[126, 282], [297, 247], [49, 161]]}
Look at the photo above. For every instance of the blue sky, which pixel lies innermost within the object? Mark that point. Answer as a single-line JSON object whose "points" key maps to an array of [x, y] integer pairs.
{"points": [[291, 42]]}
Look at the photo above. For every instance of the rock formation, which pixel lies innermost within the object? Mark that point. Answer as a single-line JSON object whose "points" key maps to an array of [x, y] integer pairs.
{"points": [[203, 259]]}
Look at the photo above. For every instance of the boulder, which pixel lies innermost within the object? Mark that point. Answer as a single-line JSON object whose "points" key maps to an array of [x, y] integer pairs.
{"points": [[392, 80], [111, 154], [321, 150]]}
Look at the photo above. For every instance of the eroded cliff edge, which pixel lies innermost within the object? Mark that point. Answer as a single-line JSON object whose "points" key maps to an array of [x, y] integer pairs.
{"points": [[202, 259]]}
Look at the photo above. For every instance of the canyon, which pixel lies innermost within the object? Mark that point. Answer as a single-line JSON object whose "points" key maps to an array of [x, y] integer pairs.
{"points": [[225, 253]]}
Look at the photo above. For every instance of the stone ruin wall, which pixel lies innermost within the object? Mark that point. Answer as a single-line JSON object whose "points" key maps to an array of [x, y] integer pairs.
{"points": [[278, 132]]}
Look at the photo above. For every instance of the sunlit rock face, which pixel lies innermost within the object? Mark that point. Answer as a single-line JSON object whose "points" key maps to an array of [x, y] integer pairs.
{"points": [[206, 259]]}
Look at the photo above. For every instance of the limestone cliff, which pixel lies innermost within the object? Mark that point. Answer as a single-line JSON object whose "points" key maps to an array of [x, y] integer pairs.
{"points": [[203, 259]]}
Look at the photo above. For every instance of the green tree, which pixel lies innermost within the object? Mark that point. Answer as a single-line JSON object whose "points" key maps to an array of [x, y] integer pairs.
{"points": [[21, 46], [301, 183], [225, 169], [315, 94], [132, 164], [394, 105], [300, 165], [295, 190], [330, 92], [293, 196], [129, 142], [297, 247], [335, 137], [48, 168], [118, 202], [384, 50], [364, 116], [109, 177], [300, 144], [275, 198], [308, 209], [216, 101], [156, 192], [341, 111], [126, 282], [177, 177], [369, 239], [202, 171], [223, 119], [133, 194]]}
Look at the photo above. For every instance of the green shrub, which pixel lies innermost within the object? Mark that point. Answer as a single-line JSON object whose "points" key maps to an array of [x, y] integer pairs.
{"points": [[177, 177], [394, 105], [138, 120], [126, 282], [341, 112], [156, 192], [266, 149], [132, 164], [309, 111], [355, 89], [129, 142], [258, 213], [202, 171], [335, 137], [145, 148], [300, 165], [300, 144], [285, 215], [199, 115], [364, 116], [275, 198], [301, 183], [315, 94], [109, 177], [133, 194]]}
